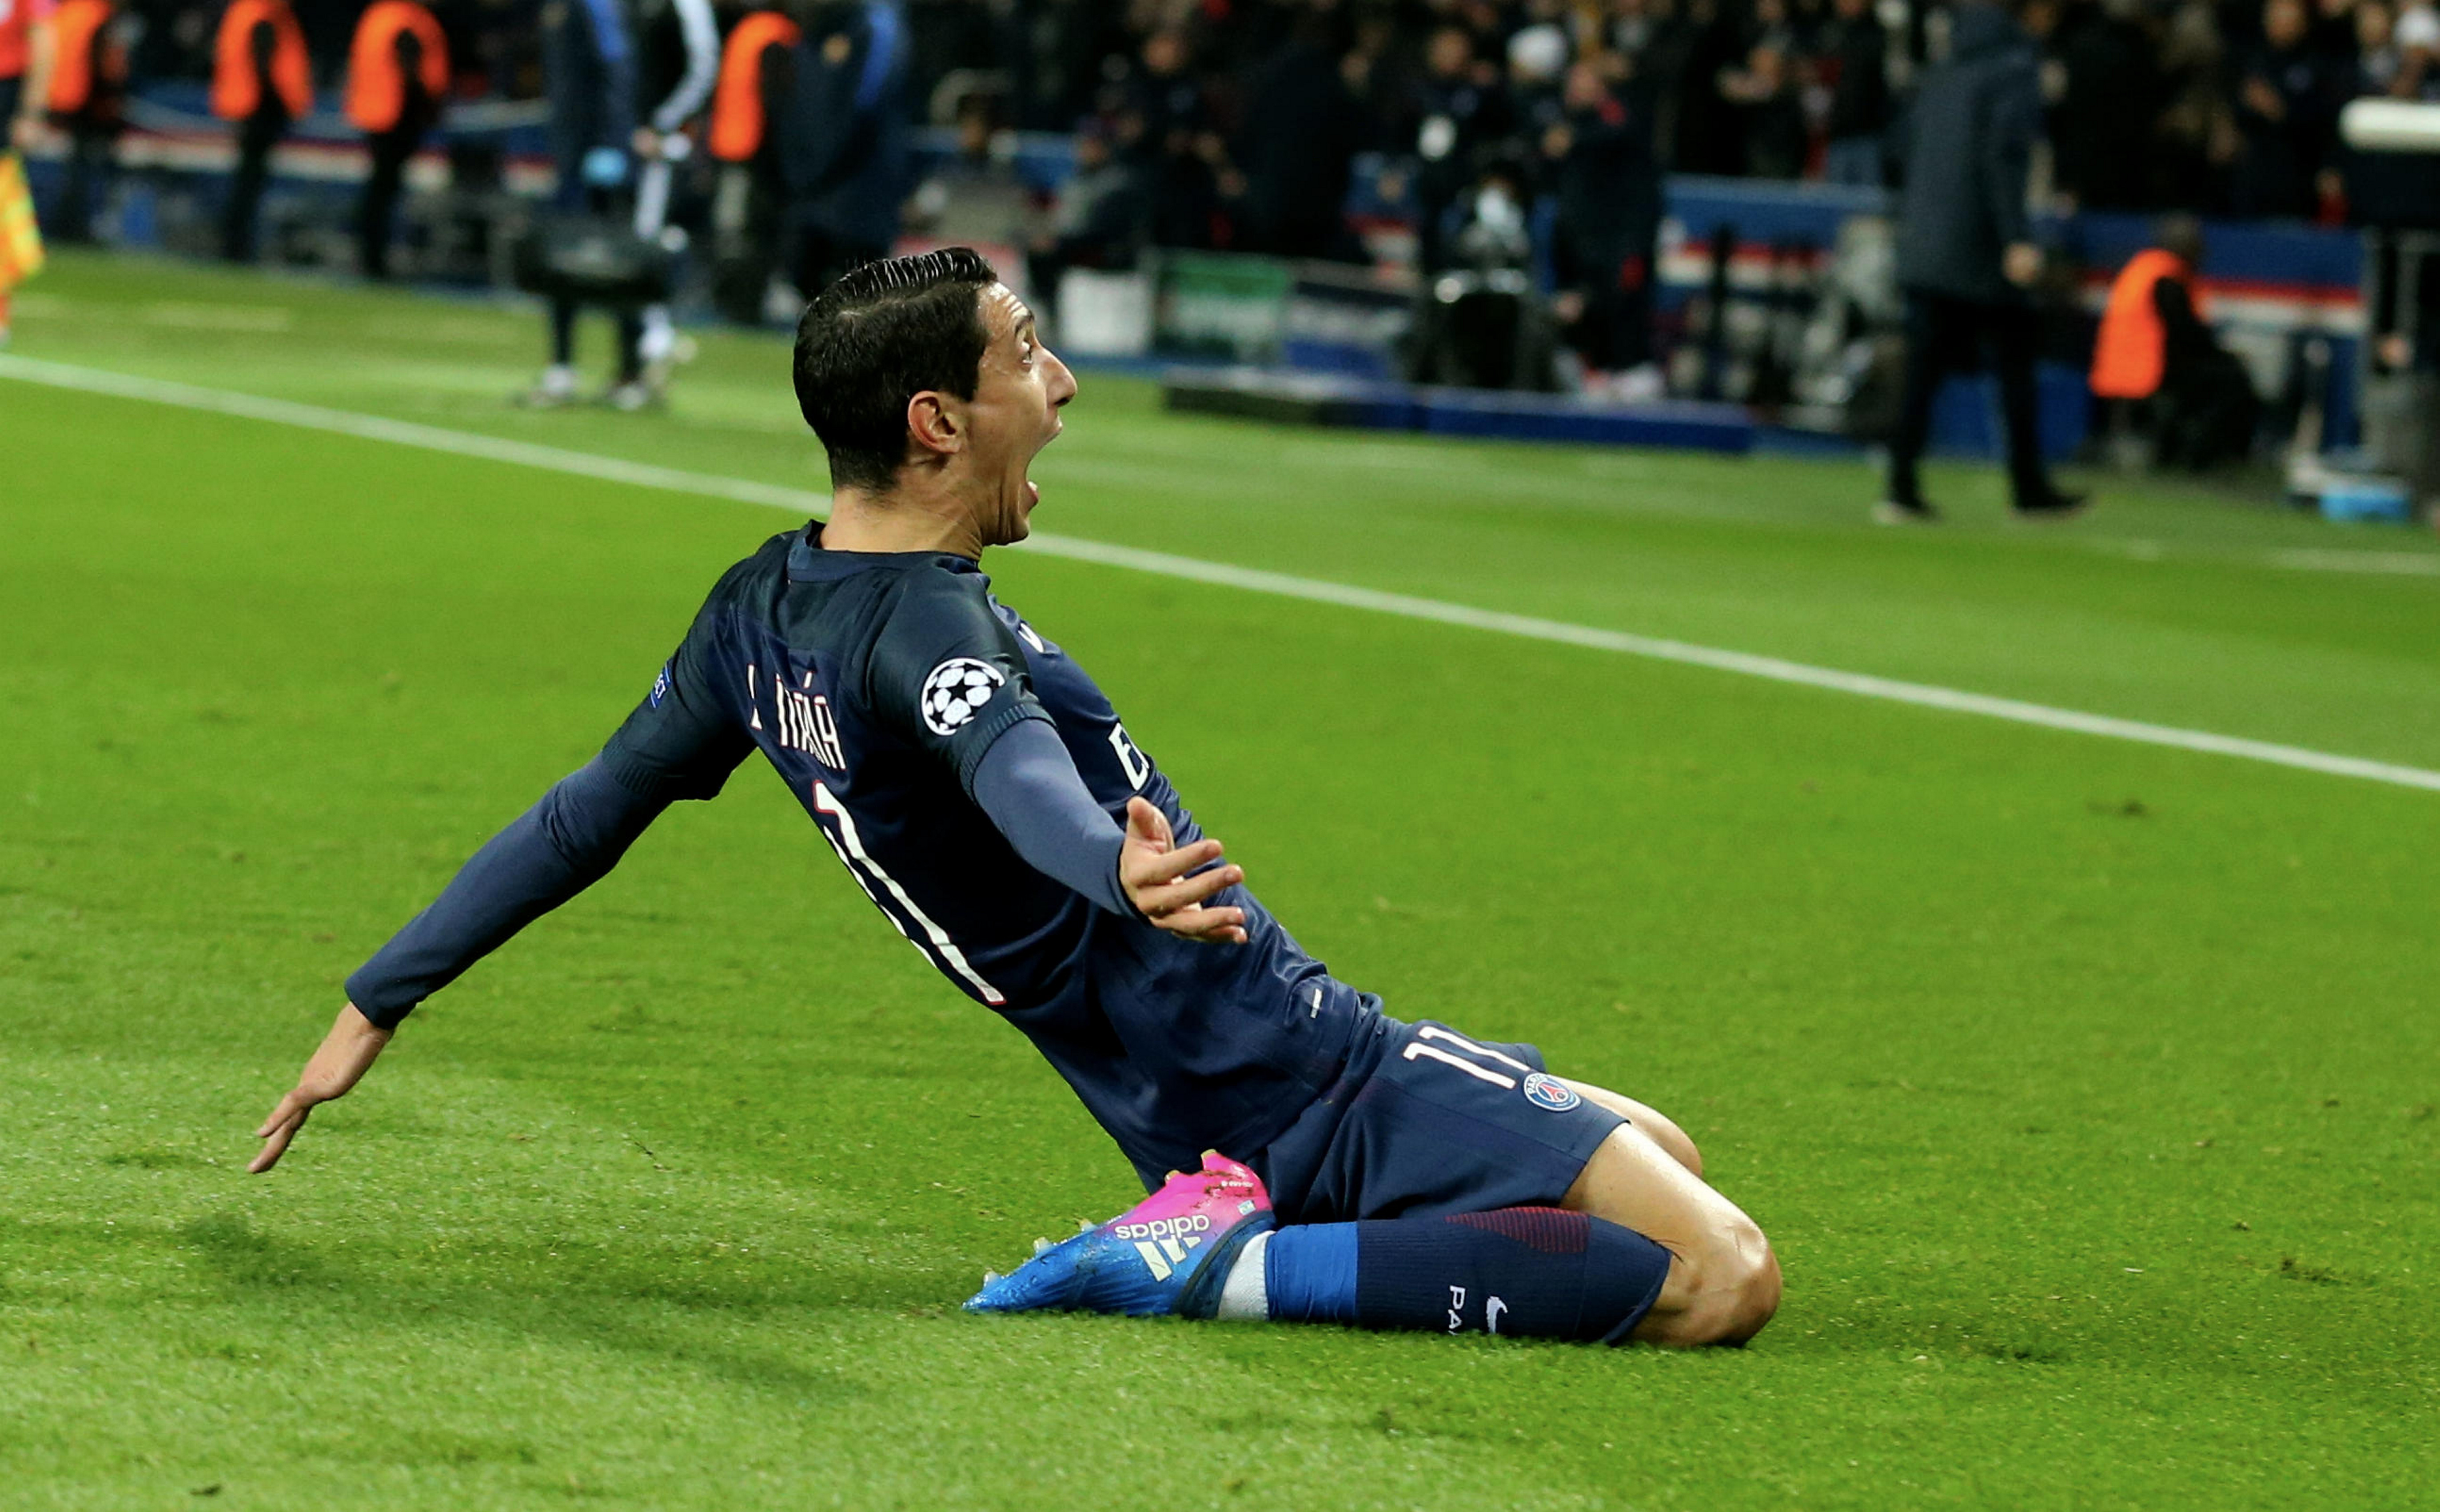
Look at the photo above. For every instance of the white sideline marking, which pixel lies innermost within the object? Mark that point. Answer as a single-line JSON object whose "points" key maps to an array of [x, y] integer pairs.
{"points": [[805, 501]]}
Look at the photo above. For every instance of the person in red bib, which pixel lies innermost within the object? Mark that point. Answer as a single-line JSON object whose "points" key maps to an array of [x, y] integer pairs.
{"points": [[261, 82], [2156, 360], [398, 75], [86, 101]]}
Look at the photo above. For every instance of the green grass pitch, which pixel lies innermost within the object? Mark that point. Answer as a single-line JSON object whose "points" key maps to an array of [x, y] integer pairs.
{"points": [[2087, 1089]]}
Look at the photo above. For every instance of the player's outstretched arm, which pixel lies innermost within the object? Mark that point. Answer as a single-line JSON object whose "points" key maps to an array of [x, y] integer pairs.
{"points": [[348, 1051], [1154, 871]]}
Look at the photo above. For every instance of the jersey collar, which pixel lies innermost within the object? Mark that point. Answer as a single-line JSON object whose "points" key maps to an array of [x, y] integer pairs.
{"points": [[808, 562]]}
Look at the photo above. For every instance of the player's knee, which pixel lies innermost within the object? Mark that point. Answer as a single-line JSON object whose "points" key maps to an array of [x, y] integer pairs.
{"points": [[1673, 1141], [1732, 1290]]}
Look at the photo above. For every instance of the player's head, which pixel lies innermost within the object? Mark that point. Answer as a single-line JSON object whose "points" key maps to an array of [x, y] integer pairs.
{"points": [[928, 372]]}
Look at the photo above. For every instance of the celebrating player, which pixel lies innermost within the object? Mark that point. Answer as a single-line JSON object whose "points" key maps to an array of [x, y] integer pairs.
{"points": [[984, 794]]}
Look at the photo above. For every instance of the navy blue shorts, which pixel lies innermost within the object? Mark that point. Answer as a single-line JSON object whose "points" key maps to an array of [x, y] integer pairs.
{"points": [[1425, 1122]]}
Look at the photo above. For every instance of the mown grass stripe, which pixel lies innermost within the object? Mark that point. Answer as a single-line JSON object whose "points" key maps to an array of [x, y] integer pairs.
{"points": [[805, 501]]}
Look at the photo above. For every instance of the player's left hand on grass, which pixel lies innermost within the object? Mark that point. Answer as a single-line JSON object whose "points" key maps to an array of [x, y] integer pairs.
{"points": [[347, 1053], [1154, 871]]}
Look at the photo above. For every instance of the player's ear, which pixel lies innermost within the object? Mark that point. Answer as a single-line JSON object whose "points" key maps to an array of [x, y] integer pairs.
{"points": [[935, 423]]}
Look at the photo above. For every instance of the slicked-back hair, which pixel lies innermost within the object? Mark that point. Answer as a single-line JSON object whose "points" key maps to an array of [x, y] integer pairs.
{"points": [[876, 338]]}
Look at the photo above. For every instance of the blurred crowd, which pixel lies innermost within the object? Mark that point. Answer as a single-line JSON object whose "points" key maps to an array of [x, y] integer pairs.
{"points": [[1233, 122]]}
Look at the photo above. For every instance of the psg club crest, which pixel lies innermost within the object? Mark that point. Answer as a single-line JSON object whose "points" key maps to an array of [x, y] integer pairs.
{"points": [[956, 690], [1549, 1092]]}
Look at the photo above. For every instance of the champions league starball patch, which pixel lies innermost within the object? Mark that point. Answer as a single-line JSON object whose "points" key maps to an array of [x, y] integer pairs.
{"points": [[955, 692], [1549, 1092], [662, 685]]}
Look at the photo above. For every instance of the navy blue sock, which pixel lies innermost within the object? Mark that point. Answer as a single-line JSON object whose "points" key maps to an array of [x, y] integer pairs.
{"points": [[1541, 1272]]}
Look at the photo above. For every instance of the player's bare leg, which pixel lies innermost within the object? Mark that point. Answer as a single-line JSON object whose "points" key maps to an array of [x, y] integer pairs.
{"points": [[1723, 1283], [1664, 1131]]}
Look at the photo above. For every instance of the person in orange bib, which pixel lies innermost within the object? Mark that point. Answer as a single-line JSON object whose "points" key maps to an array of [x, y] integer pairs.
{"points": [[86, 101], [261, 82], [2155, 361], [26, 52], [755, 70], [24, 68], [398, 75]]}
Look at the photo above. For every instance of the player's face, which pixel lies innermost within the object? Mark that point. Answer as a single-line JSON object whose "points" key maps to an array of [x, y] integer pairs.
{"points": [[1014, 415]]}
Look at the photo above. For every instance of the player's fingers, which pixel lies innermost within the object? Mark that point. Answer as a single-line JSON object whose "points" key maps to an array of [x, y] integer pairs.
{"points": [[1207, 923], [278, 1141], [1159, 901], [287, 1108], [1171, 865]]}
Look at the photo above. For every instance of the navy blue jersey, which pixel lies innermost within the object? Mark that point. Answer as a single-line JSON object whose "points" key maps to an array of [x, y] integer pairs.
{"points": [[873, 684]]}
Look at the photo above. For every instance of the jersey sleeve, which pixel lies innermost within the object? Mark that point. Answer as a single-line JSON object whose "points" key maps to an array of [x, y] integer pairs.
{"points": [[947, 674], [684, 739]]}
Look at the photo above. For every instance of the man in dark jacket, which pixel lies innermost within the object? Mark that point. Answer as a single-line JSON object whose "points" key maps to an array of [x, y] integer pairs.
{"points": [[1965, 255], [1608, 187], [843, 141], [1298, 138]]}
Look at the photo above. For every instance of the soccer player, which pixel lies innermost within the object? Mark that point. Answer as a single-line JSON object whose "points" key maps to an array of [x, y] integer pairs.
{"points": [[985, 795]]}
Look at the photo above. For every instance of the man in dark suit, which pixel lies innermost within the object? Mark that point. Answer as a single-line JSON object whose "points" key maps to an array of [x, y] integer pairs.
{"points": [[1965, 253]]}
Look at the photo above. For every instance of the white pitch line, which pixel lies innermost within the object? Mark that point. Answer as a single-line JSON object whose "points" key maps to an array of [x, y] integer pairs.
{"points": [[804, 501]]}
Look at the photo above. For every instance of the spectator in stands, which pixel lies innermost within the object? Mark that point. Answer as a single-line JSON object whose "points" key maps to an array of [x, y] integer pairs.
{"points": [[844, 149], [2155, 354], [1181, 155], [1099, 220], [263, 80], [1537, 68], [88, 103], [2375, 60], [1764, 92], [1965, 253], [2418, 38], [2196, 138], [1653, 42], [398, 75], [2285, 108], [2109, 100], [1462, 109], [1608, 190], [1852, 61], [1300, 135]]}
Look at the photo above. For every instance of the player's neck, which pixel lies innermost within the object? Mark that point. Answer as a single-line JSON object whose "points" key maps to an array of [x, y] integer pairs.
{"points": [[907, 519]]}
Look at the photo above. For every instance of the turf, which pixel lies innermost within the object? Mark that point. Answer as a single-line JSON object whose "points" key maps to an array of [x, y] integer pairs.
{"points": [[2086, 1088]]}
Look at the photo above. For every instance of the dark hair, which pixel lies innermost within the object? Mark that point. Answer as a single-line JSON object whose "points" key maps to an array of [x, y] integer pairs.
{"points": [[878, 338]]}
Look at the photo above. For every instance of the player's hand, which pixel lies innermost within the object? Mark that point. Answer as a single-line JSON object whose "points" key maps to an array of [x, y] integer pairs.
{"points": [[348, 1051], [1154, 871]]}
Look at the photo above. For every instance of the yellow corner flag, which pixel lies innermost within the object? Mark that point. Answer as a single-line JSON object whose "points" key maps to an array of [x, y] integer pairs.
{"points": [[21, 241]]}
